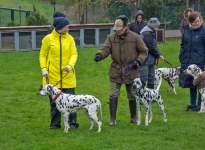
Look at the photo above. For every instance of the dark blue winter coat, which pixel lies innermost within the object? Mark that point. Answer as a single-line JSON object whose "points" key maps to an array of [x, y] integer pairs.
{"points": [[136, 26], [148, 35], [192, 51]]}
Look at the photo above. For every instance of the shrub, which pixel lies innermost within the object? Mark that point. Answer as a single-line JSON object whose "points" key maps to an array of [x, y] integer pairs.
{"points": [[35, 18]]}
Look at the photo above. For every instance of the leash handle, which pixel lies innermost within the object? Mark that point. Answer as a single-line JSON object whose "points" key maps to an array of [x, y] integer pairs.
{"points": [[129, 68]]}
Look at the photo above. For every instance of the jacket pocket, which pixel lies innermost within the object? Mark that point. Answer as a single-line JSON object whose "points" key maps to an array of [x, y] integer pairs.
{"points": [[115, 71]]}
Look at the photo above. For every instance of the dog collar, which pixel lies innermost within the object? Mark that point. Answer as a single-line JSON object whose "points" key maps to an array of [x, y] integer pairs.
{"points": [[57, 95]]}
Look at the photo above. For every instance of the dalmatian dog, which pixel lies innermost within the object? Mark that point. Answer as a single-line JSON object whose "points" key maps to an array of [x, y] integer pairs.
{"points": [[168, 74], [67, 103], [146, 97], [195, 71]]}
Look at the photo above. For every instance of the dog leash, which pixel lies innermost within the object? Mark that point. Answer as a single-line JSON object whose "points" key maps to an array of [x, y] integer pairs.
{"points": [[128, 67], [47, 80], [61, 79], [169, 63]]}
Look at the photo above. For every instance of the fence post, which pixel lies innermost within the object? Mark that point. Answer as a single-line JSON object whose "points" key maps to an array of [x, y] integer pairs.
{"points": [[12, 14], [97, 31], [86, 12], [16, 41], [33, 40], [82, 38], [0, 43], [20, 14]]}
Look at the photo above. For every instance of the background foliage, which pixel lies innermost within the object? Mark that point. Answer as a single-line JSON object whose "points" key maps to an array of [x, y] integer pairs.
{"points": [[96, 11]]}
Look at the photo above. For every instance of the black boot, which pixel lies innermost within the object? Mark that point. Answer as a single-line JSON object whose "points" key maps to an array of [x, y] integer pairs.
{"points": [[73, 120], [151, 86], [113, 110], [132, 106]]}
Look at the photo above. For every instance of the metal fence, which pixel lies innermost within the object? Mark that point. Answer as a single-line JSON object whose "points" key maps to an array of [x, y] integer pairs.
{"points": [[173, 15], [7, 15]]}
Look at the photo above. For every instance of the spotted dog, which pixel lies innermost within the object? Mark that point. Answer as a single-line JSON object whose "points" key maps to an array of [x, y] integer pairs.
{"points": [[168, 74], [67, 103], [196, 72], [146, 97]]}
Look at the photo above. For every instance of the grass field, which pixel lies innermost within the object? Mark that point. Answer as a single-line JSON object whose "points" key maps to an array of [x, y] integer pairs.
{"points": [[44, 9], [24, 116]]}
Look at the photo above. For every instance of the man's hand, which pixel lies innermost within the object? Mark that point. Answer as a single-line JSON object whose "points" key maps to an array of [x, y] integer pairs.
{"points": [[97, 57], [135, 65], [161, 57]]}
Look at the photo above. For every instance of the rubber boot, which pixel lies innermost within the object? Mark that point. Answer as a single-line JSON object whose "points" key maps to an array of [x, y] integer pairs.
{"points": [[151, 86], [113, 110], [73, 120], [132, 105]]}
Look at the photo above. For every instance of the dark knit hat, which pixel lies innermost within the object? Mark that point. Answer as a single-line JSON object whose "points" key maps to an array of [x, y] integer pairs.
{"points": [[58, 14], [154, 22], [60, 22]]}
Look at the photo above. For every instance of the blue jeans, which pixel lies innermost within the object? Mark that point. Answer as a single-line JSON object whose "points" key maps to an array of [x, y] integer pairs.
{"points": [[193, 96]]}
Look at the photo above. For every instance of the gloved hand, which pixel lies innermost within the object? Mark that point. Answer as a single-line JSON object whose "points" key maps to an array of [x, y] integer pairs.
{"points": [[97, 57], [135, 65]]}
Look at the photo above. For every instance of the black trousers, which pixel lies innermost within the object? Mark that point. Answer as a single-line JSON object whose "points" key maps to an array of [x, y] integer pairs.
{"points": [[56, 115]]}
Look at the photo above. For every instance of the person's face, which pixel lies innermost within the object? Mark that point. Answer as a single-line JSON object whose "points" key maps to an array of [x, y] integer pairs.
{"points": [[64, 30], [196, 22], [188, 13], [139, 18], [122, 31]]}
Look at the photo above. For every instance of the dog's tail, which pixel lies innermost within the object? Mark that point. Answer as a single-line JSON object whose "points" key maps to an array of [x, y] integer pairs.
{"points": [[159, 84]]}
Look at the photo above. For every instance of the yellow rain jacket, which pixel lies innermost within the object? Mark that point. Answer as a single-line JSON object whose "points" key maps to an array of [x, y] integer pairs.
{"points": [[58, 51]]}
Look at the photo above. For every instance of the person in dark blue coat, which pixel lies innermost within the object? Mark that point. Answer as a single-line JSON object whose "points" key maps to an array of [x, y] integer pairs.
{"points": [[138, 24], [192, 51], [148, 34]]}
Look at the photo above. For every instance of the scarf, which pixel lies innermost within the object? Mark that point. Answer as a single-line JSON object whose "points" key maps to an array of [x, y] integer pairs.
{"points": [[194, 27]]}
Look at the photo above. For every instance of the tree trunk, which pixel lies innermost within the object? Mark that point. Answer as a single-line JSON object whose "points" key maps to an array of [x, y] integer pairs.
{"points": [[187, 3]]}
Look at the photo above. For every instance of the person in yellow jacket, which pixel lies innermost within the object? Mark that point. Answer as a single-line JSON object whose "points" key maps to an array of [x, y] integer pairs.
{"points": [[58, 56]]}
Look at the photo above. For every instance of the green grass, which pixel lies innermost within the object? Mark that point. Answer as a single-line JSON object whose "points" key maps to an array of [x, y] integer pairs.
{"points": [[25, 116], [44, 9]]}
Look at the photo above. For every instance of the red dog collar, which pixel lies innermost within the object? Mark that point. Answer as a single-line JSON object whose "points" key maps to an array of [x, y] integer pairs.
{"points": [[57, 95]]}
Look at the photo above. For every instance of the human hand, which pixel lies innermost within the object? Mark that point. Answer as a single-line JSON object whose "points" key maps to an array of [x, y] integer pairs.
{"points": [[67, 68], [97, 57], [135, 65], [161, 57], [45, 73]]}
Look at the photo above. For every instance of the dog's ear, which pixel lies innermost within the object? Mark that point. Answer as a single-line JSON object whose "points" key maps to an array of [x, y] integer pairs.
{"points": [[143, 83], [49, 88]]}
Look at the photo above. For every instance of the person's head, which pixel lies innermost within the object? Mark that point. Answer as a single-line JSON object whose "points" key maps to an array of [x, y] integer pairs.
{"points": [[154, 23], [139, 18], [187, 12], [61, 25], [195, 19], [121, 24], [58, 14]]}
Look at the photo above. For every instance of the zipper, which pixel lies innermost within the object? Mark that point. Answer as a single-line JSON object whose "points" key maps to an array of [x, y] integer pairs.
{"points": [[61, 83]]}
